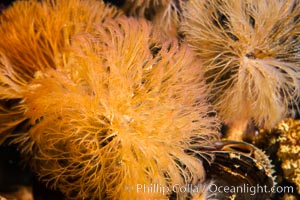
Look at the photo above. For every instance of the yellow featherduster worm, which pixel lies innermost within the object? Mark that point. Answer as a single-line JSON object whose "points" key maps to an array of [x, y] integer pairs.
{"points": [[117, 114], [250, 50], [164, 13], [34, 37]]}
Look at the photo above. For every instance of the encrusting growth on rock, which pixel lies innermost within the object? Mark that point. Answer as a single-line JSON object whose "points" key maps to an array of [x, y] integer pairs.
{"points": [[289, 149], [250, 52], [102, 107]]}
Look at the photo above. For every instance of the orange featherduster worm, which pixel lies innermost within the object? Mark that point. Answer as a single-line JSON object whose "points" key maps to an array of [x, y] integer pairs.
{"points": [[39, 29], [35, 36], [250, 51], [164, 13], [117, 112]]}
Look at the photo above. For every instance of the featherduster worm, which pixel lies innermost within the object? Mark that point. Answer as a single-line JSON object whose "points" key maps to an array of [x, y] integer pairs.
{"points": [[35, 36], [165, 14], [100, 105], [250, 50]]}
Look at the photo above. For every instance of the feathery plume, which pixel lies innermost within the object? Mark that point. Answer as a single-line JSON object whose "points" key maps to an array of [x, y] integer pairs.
{"points": [[121, 118], [250, 50], [35, 36], [165, 14], [39, 29], [117, 109]]}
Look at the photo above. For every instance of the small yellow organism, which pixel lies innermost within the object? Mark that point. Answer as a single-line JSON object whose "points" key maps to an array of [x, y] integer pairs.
{"points": [[289, 150]]}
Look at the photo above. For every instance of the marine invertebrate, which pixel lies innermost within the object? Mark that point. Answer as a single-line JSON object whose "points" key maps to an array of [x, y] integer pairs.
{"points": [[38, 38], [117, 108], [281, 143], [289, 148], [165, 14], [47, 27], [239, 165], [124, 118], [250, 50]]}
